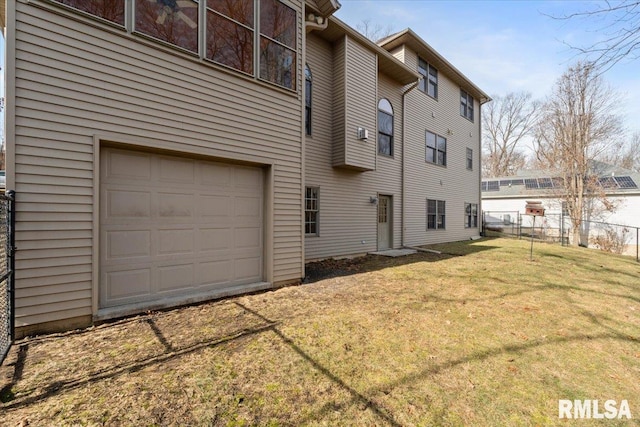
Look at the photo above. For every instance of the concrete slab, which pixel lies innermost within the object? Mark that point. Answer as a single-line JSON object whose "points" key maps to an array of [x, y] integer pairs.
{"points": [[395, 252]]}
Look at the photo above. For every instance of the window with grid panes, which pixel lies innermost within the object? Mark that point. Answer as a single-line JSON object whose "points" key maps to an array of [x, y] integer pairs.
{"points": [[311, 211], [435, 214]]}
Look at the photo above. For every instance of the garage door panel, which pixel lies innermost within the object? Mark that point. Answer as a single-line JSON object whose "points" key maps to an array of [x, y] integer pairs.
{"points": [[127, 284], [215, 272], [125, 165], [177, 170], [214, 239], [248, 237], [248, 268], [128, 244], [176, 241], [248, 177], [190, 226], [248, 207], [215, 206], [175, 205], [217, 175], [175, 277], [128, 204]]}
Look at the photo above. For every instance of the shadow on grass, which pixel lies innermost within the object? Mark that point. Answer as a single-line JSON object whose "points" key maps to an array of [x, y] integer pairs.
{"points": [[366, 398], [329, 268], [170, 353], [384, 414]]}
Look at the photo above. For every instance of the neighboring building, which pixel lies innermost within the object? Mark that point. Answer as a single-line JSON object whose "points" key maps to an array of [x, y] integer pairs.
{"points": [[171, 152], [508, 195]]}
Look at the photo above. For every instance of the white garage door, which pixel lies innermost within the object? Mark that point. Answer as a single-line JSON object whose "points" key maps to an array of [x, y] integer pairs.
{"points": [[173, 226]]}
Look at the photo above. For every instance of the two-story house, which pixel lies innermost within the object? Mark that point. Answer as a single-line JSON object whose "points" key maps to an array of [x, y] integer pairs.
{"points": [[165, 152]]}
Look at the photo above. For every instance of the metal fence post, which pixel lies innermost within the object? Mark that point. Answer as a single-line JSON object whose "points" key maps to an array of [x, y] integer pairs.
{"points": [[519, 226]]}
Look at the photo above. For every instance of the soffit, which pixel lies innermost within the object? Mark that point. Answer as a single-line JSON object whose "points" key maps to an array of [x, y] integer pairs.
{"points": [[387, 63]]}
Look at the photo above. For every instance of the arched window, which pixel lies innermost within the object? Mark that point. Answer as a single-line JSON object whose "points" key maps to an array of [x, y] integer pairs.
{"points": [[307, 99], [385, 127]]}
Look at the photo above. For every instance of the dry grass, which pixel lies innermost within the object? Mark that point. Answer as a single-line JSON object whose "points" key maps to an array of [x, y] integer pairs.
{"points": [[481, 336]]}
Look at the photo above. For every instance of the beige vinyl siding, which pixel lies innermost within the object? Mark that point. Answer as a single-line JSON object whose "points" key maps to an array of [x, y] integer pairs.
{"points": [[387, 177], [454, 183], [76, 79], [337, 86], [398, 53], [355, 100], [346, 217], [362, 70]]}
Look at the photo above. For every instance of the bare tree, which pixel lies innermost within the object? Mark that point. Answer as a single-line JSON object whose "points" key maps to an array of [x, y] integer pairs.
{"points": [[506, 122], [373, 31], [619, 23], [579, 125], [626, 154]]}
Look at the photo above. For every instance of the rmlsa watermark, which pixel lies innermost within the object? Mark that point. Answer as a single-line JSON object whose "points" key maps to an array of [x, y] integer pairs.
{"points": [[592, 409]]}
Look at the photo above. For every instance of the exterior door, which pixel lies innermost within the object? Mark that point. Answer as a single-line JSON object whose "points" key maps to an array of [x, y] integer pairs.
{"points": [[384, 223]]}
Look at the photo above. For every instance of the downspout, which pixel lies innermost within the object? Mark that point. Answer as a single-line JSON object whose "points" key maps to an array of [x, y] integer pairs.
{"points": [[313, 23], [402, 174]]}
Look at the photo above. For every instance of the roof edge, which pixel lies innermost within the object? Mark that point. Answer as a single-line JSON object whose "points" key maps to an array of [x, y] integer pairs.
{"points": [[408, 36], [325, 7], [409, 74]]}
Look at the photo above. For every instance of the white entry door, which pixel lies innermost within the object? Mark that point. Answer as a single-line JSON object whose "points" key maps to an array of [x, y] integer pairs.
{"points": [[384, 223]]}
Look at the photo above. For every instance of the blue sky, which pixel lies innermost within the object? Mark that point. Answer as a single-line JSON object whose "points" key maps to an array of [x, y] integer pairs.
{"points": [[503, 46]]}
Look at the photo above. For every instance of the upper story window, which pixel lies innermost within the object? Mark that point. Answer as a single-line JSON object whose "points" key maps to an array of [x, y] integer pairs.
{"points": [[469, 159], [385, 127], [230, 33], [174, 22], [436, 149], [429, 82], [466, 105], [308, 81], [264, 46], [111, 10], [278, 43]]}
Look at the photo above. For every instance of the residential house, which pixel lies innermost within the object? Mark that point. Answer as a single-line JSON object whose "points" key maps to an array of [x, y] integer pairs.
{"points": [[167, 152], [504, 198]]}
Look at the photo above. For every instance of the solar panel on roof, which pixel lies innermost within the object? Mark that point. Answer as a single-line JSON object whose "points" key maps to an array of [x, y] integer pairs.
{"points": [[531, 183], [545, 183], [607, 182], [493, 186], [625, 182]]}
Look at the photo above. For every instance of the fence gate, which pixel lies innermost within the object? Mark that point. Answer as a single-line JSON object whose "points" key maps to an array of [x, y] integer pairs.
{"points": [[7, 249]]}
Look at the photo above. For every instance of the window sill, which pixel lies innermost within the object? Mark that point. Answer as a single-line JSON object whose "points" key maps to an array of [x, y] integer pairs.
{"points": [[435, 164], [435, 98]]}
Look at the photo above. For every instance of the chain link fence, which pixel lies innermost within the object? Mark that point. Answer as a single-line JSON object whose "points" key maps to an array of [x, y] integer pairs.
{"points": [[556, 228], [7, 241]]}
